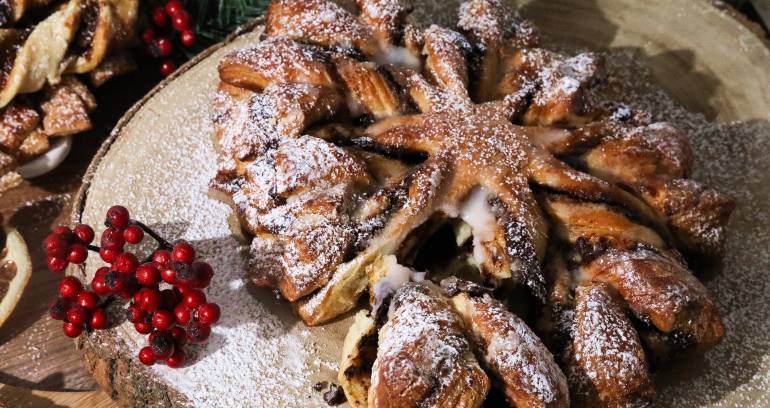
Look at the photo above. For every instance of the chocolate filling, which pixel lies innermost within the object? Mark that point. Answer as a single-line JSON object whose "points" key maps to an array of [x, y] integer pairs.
{"points": [[7, 273], [83, 43], [9, 48], [6, 13], [335, 395]]}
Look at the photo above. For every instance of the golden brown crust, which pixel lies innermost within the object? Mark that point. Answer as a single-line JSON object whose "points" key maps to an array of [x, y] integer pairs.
{"points": [[446, 52], [520, 68], [17, 121], [247, 124], [275, 60], [652, 161], [384, 220], [564, 92], [306, 208], [643, 152], [696, 214], [367, 88], [490, 25], [606, 365], [573, 220], [319, 22], [303, 193], [65, 108], [383, 17], [662, 291], [515, 357], [486, 23], [423, 357]]}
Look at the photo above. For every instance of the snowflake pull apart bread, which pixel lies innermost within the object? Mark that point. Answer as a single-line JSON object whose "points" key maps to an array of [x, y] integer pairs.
{"points": [[359, 149]]}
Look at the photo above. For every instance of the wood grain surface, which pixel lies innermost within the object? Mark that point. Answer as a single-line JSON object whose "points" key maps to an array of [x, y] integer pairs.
{"points": [[35, 355], [19, 397]]}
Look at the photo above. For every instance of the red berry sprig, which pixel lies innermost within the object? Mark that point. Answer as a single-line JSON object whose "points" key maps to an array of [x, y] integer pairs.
{"points": [[161, 35], [64, 246], [172, 316]]}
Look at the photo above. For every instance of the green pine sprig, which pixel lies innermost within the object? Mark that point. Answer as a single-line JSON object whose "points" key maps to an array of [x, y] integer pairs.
{"points": [[216, 19]]}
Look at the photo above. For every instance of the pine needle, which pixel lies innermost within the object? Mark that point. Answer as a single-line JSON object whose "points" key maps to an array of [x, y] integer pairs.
{"points": [[215, 19]]}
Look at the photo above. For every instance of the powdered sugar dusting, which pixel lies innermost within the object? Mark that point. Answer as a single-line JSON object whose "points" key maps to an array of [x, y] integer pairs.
{"points": [[608, 355], [733, 160], [254, 353], [422, 352], [565, 78], [515, 354], [317, 21], [731, 157]]}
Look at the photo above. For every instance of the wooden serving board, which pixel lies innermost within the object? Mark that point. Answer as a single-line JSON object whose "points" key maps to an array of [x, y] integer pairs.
{"points": [[709, 59]]}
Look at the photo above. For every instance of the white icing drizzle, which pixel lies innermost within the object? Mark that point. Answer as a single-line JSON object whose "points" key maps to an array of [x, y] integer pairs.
{"points": [[397, 275], [398, 56], [477, 213]]}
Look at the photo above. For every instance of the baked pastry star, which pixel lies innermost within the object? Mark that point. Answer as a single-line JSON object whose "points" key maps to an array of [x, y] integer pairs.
{"points": [[346, 141]]}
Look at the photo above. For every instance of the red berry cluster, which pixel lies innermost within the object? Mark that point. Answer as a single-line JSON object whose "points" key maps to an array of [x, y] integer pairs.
{"points": [[172, 316], [77, 307], [64, 246], [159, 36]]}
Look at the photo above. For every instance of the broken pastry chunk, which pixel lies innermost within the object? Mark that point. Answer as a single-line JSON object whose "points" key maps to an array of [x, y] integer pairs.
{"points": [[17, 121], [8, 178], [65, 108], [111, 67], [359, 351], [34, 145]]}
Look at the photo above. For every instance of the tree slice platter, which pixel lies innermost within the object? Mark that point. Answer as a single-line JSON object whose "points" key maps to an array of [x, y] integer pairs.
{"points": [[160, 158]]}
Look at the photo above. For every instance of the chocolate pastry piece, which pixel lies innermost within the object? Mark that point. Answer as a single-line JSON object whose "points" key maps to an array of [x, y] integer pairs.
{"points": [[423, 357], [65, 108], [606, 365], [660, 290], [516, 359], [648, 274], [17, 121], [32, 57], [104, 26]]}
